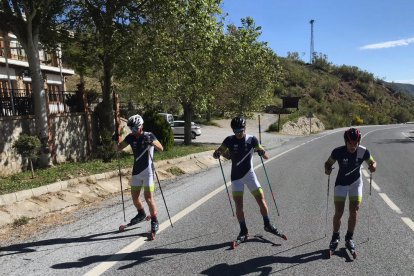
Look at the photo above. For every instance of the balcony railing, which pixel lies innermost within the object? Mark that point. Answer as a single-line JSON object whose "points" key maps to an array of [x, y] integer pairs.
{"points": [[22, 101]]}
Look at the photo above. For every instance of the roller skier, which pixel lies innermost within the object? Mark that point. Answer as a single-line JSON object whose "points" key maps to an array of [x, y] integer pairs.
{"points": [[348, 183], [142, 144], [240, 148]]}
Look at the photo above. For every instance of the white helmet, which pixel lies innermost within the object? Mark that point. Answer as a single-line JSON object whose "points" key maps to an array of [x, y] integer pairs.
{"points": [[135, 121]]}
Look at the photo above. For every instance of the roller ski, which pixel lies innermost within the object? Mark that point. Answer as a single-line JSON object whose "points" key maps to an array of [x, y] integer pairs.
{"points": [[350, 245], [242, 237], [137, 219], [271, 229], [154, 229], [332, 246]]}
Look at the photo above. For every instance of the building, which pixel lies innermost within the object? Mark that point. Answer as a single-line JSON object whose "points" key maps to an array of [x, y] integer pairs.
{"points": [[15, 80], [70, 122]]}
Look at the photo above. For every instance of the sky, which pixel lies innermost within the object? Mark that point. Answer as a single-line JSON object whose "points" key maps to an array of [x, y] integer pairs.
{"points": [[375, 35]]}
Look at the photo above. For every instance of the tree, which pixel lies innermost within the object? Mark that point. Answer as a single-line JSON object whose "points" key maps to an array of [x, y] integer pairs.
{"points": [[106, 25], [28, 147], [175, 53], [253, 70], [33, 22]]}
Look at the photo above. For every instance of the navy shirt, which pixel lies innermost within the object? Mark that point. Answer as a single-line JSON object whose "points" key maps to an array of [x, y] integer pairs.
{"points": [[241, 151], [142, 160], [349, 164]]}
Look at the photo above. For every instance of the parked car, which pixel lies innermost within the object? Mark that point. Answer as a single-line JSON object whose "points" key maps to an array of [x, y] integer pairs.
{"points": [[168, 117], [178, 129]]}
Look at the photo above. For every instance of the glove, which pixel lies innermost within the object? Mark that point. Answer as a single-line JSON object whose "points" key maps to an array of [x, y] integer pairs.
{"points": [[328, 169], [148, 140], [261, 152], [216, 154], [371, 168]]}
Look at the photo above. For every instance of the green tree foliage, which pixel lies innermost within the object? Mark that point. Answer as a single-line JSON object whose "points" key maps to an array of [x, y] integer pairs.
{"points": [[160, 127], [28, 147], [252, 70], [174, 57]]}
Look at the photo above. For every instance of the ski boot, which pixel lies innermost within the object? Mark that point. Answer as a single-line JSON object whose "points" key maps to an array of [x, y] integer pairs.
{"points": [[350, 245], [272, 229], [242, 237], [138, 218], [333, 245], [154, 228]]}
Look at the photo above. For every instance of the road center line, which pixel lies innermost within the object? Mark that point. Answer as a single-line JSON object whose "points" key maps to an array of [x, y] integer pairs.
{"points": [[389, 202], [409, 222]]}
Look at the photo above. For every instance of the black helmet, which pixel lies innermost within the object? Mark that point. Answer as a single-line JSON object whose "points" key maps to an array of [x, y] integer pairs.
{"points": [[238, 122], [352, 135]]}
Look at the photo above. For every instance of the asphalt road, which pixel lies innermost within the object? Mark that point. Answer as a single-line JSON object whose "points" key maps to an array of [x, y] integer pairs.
{"points": [[199, 242]]}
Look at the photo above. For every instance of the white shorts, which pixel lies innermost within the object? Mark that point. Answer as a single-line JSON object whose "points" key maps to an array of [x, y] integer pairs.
{"points": [[354, 191], [251, 182], [144, 179]]}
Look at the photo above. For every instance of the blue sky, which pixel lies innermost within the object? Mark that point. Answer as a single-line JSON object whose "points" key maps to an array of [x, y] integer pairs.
{"points": [[376, 36]]}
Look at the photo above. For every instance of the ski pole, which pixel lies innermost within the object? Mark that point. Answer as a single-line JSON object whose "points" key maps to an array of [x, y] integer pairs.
{"points": [[267, 177], [228, 194], [326, 212], [369, 204], [120, 181], [270, 186], [159, 184]]}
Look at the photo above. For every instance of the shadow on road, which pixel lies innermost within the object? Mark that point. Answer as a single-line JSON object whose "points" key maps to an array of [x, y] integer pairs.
{"points": [[262, 265], [395, 141], [67, 242]]}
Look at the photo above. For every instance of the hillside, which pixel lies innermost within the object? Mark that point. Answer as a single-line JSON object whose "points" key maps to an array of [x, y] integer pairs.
{"points": [[402, 87], [343, 95]]}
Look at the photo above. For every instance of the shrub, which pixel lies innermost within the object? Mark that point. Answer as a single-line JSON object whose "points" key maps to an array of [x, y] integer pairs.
{"points": [[28, 147], [106, 150], [160, 127]]}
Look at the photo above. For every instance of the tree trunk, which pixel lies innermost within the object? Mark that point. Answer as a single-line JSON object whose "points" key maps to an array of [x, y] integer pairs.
{"points": [[39, 100], [188, 116], [107, 99]]}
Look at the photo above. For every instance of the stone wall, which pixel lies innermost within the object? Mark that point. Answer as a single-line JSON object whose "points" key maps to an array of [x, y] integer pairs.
{"points": [[68, 136]]}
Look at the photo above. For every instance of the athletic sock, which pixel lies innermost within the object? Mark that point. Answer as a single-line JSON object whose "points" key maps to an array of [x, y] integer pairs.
{"points": [[349, 235], [243, 226], [266, 220]]}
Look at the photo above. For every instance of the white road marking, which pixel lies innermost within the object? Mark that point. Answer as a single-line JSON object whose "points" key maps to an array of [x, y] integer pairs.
{"points": [[409, 222], [111, 261], [118, 256], [391, 204], [365, 173], [403, 133]]}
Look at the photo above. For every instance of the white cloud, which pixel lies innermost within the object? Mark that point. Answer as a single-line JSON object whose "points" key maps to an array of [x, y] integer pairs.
{"points": [[388, 44]]}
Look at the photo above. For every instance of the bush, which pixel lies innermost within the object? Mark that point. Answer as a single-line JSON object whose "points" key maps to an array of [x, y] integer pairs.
{"points": [[28, 147], [105, 150], [160, 128]]}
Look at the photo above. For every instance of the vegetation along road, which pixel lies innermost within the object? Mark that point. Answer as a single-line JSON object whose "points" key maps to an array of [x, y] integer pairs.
{"points": [[199, 242]]}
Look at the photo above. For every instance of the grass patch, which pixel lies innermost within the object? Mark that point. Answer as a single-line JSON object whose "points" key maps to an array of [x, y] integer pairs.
{"points": [[20, 221], [23, 180], [176, 171]]}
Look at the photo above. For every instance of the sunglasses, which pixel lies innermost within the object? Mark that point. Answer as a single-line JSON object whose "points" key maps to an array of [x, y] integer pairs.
{"points": [[238, 130], [134, 129]]}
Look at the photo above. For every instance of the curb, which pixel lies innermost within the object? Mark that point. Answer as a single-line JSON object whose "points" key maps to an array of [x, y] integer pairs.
{"points": [[8, 199]]}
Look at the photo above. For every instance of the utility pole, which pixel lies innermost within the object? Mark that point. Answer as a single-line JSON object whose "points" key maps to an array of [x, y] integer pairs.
{"points": [[311, 43]]}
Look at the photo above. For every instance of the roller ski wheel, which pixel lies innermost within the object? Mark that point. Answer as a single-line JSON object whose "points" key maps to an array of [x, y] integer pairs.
{"points": [[350, 245], [239, 240], [125, 226], [272, 229]]}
